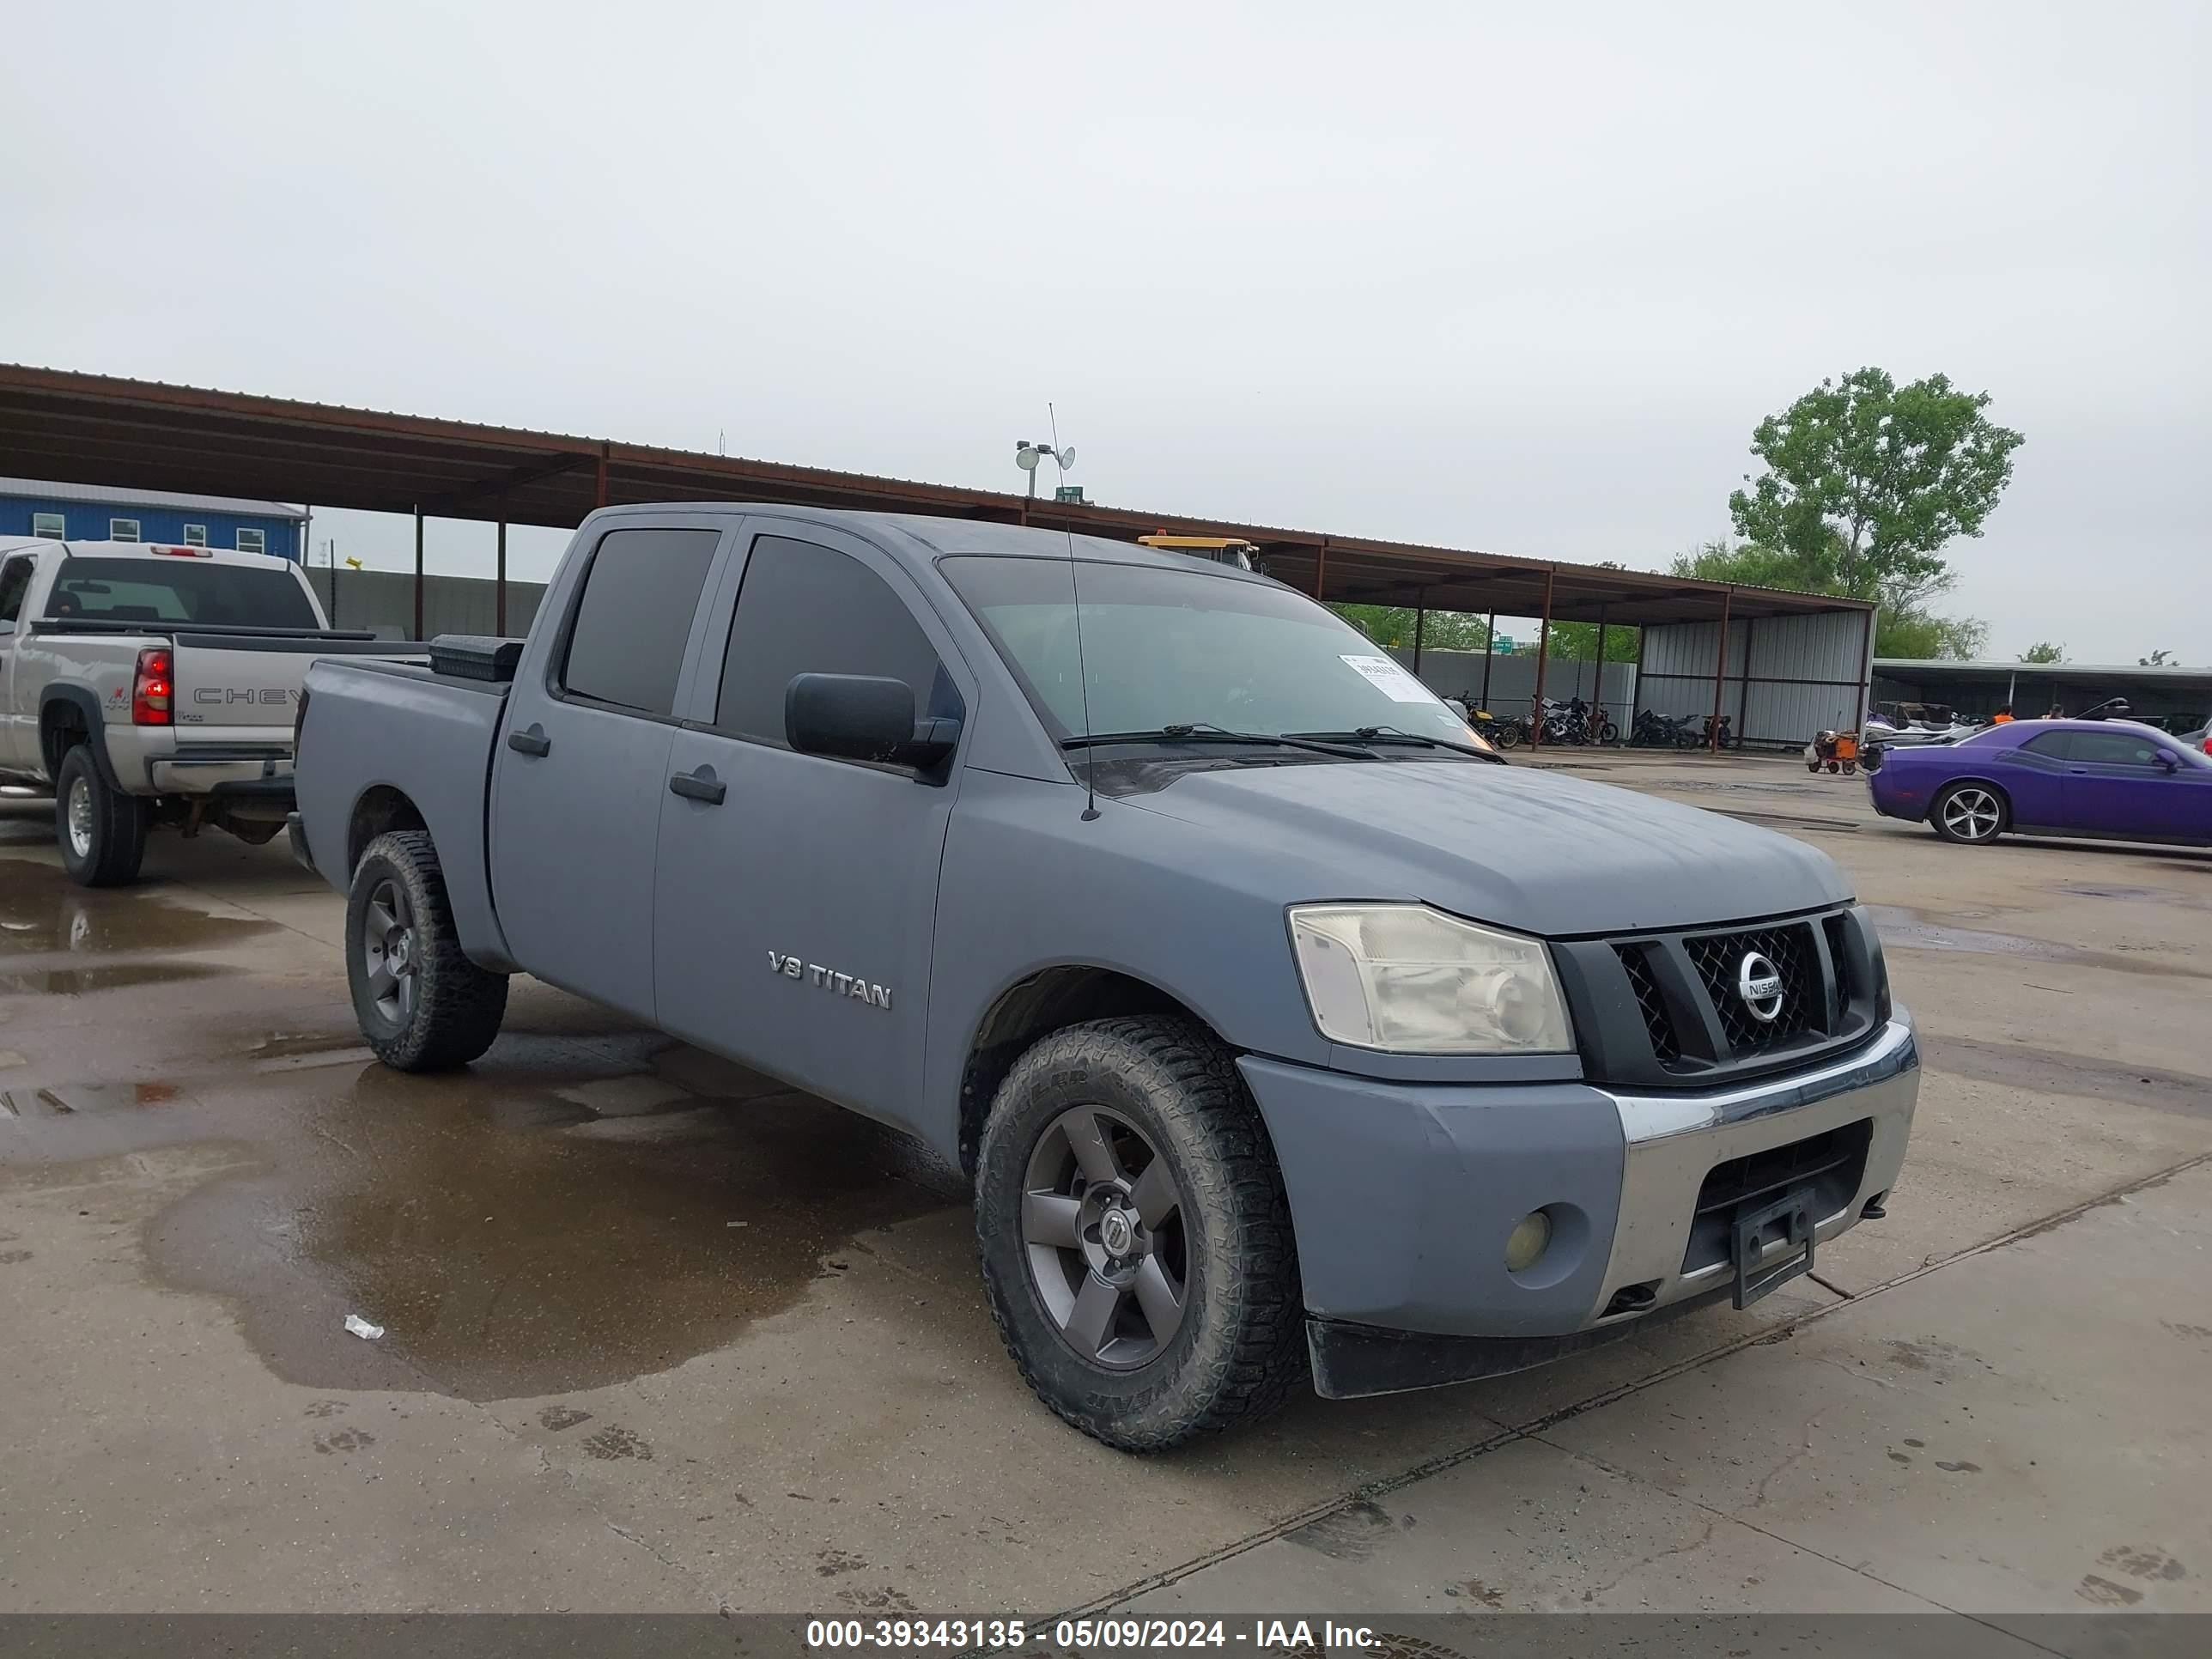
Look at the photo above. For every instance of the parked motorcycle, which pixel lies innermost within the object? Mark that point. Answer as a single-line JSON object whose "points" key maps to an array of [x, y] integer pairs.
{"points": [[1656, 730]]}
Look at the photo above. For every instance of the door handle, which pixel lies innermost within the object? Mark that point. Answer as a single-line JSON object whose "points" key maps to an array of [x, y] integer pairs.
{"points": [[701, 785], [530, 740]]}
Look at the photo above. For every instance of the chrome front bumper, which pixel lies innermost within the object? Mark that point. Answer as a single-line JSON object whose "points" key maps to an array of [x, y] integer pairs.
{"points": [[1674, 1141]]}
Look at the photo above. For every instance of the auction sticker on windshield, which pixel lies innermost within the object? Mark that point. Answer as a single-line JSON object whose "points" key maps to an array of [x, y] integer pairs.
{"points": [[1397, 684]]}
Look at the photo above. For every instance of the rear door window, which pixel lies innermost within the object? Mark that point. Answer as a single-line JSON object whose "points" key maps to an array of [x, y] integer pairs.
{"points": [[640, 594], [14, 583], [805, 609]]}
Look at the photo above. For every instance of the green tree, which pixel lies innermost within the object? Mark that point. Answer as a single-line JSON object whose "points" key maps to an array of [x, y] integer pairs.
{"points": [[2044, 651], [1750, 565], [2157, 660], [1909, 631], [1866, 482], [1393, 625], [1576, 642]]}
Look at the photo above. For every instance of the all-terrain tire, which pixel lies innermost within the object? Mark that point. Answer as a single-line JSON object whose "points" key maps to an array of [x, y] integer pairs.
{"points": [[102, 830], [1240, 1350], [454, 1008]]}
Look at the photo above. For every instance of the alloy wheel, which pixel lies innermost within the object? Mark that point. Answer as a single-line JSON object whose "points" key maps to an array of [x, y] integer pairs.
{"points": [[80, 818], [395, 962], [1103, 1233], [1973, 814]]}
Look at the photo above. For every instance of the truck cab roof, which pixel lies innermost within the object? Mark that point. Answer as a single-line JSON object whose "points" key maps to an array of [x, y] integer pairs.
{"points": [[924, 537], [83, 550]]}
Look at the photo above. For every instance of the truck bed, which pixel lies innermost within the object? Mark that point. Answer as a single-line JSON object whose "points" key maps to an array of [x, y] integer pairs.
{"points": [[452, 722]]}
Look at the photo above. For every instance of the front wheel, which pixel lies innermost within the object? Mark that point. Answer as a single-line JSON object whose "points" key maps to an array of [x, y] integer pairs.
{"points": [[1507, 734], [1968, 813], [422, 1004], [1134, 1236], [102, 830]]}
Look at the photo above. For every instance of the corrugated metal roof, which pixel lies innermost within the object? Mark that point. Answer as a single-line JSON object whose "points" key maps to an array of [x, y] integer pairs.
{"points": [[100, 426], [46, 489], [1950, 668]]}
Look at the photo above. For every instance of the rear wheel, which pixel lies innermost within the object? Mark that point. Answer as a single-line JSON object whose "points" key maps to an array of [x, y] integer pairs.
{"points": [[1969, 813], [102, 830], [422, 1004], [1134, 1236]]}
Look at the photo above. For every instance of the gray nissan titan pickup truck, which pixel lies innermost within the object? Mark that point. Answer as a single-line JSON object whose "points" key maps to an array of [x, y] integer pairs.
{"points": [[1284, 1031]]}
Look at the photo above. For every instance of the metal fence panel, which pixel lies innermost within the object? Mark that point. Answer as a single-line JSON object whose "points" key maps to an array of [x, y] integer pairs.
{"points": [[383, 601], [1785, 677]]}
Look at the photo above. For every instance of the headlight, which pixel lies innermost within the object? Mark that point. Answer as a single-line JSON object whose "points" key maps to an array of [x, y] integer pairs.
{"points": [[1411, 980]]}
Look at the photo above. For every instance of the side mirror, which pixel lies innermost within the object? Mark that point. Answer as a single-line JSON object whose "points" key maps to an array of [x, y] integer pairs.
{"points": [[2167, 758], [859, 717]]}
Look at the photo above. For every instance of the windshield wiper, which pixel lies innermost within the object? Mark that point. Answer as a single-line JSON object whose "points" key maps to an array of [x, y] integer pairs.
{"points": [[1206, 731], [1391, 734]]}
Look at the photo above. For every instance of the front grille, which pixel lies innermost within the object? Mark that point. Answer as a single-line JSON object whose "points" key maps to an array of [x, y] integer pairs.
{"points": [[1832, 1164], [1718, 956], [1663, 1010], [1658, 1025], [1839, 953]]}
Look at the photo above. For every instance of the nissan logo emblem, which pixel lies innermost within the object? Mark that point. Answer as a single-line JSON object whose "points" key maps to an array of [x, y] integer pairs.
{"points": [[1759, 982]]}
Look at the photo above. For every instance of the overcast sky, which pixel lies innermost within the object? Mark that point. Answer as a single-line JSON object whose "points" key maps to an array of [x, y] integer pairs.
{"points": [[1519, 278]]}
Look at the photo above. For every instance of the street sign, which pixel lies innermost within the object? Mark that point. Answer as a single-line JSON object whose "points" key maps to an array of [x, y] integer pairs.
{"points": [[1068, 493], [1501, 644]]}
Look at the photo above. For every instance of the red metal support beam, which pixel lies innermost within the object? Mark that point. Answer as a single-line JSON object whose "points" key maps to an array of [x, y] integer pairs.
{"points": [[1743, 691], [1420, 617], [1543, 650], [1720, 669], [1489, 650], [1865, 695], [1598, 696]]}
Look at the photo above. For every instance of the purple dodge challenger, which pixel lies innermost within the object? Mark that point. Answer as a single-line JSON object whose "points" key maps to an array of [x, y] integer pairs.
{"points": [[2112, 779]]}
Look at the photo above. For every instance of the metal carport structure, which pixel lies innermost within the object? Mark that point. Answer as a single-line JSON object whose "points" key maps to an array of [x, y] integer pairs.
{"points": [[91, 429]]}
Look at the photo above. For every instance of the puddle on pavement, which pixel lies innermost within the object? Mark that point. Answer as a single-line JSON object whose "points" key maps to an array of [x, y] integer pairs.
{"points": [[66, 1100], [552, 1219], [58, 939], [1902, 929]]}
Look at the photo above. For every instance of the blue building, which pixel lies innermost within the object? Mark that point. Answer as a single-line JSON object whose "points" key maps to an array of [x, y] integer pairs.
{"points": [[95, 513]]}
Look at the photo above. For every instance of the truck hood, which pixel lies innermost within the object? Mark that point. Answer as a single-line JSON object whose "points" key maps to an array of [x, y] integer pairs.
{"points": [[1536, 851]]}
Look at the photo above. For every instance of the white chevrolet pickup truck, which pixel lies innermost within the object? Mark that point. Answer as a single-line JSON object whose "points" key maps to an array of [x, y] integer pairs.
{"points": [[152, 685]]}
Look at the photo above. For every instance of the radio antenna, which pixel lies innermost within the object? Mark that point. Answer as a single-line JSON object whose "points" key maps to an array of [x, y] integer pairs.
{"points": [[1061, 458]]}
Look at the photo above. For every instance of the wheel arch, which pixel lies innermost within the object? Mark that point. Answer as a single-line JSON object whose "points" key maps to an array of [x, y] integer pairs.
{"points": [[379, 808], [66, 708], [1046, 1000]]}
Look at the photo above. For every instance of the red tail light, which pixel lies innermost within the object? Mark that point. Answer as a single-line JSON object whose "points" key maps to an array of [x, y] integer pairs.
{"points": [[152, 692]]}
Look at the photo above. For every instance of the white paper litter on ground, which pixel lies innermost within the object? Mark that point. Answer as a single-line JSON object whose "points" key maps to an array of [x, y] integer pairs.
{"points": [[361, 1327]]}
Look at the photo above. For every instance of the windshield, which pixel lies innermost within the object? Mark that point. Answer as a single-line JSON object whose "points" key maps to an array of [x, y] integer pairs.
{"points": [[1167, 648], [169, 589]]}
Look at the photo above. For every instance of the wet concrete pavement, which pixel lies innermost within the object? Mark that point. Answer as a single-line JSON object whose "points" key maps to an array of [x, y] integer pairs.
{"points": [[660, 1335]]}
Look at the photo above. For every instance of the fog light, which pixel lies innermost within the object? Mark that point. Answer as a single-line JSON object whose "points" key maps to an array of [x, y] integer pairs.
{"points": [[1530, 1238]]}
